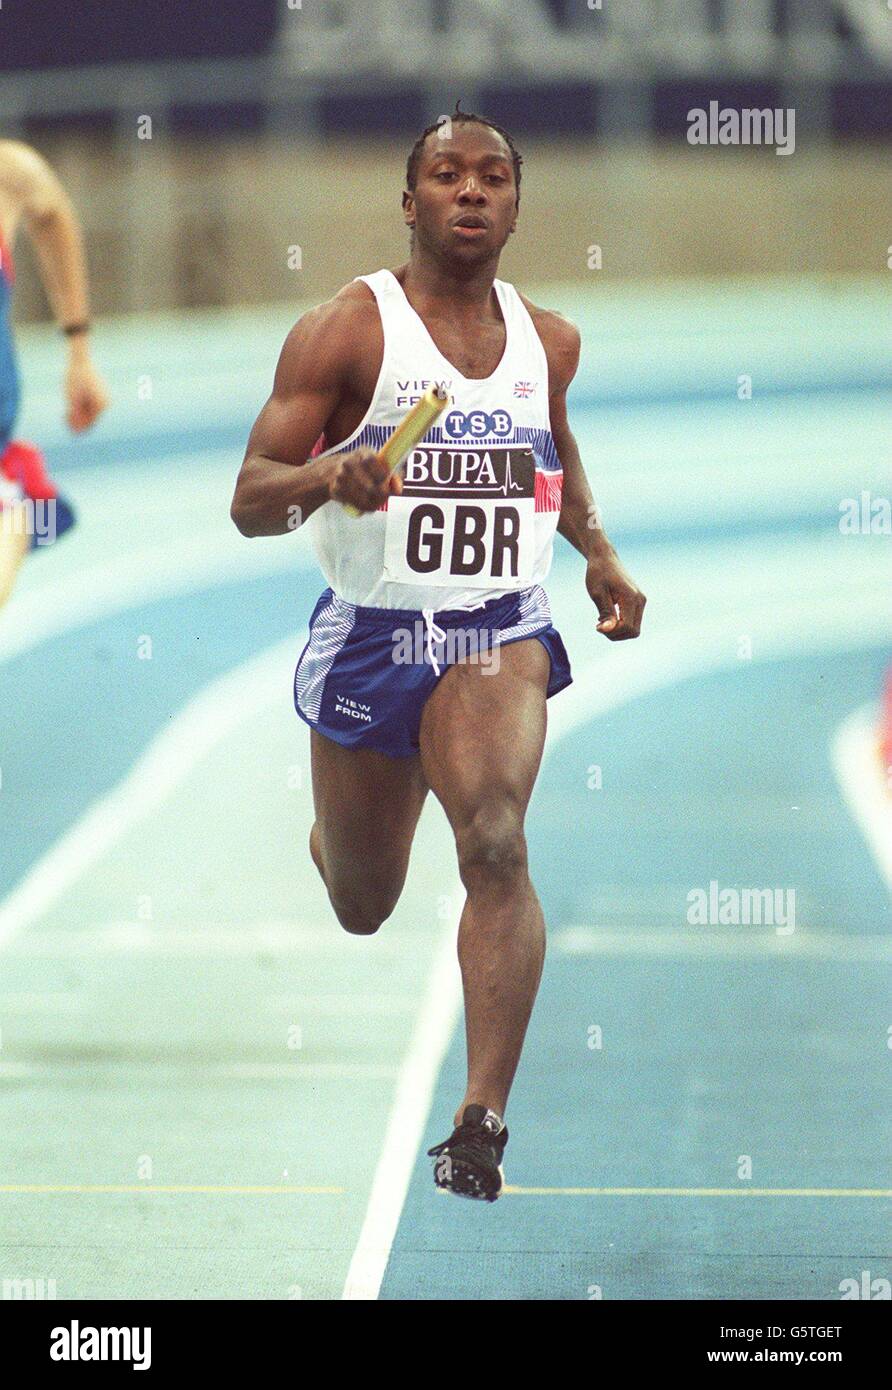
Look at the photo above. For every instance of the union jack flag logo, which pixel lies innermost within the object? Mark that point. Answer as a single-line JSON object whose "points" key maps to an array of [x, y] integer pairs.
{"points": [[522, 389]]}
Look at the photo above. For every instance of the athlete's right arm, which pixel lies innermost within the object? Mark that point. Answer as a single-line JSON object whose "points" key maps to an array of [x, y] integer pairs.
{"points": [[278, 486], [32, 190]]}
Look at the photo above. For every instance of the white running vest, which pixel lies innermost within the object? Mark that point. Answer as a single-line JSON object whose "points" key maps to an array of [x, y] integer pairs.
{"points": [[481, 492]]}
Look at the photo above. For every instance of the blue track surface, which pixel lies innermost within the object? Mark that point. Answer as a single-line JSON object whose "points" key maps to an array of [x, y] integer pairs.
{"points": [[702, 1060], [112, 703], [708, 1055]]}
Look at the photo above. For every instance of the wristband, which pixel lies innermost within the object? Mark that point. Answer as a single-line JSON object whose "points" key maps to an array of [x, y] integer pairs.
{"points": [[70, 329]]}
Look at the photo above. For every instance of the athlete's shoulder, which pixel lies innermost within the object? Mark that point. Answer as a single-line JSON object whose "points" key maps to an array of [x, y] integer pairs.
{"points": [[328, 340], [561, 340], [353, 308], [28, 183], [354, 292], [20, 166]]}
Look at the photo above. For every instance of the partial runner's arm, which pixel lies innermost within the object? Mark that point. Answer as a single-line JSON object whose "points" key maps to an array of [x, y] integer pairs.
{"points": [[37, 196]]}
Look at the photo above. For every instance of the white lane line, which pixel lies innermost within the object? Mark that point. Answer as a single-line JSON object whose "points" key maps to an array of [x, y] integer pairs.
{"points": [[168, 760], [434, 1026], [862, 779]]}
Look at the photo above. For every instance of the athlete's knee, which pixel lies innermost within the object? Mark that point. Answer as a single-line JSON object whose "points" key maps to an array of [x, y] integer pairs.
{"points": [[357, 920], [492, 849], [361, 908]]}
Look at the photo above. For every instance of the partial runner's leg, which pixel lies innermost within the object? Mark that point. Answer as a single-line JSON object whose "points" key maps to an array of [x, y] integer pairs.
{"points": [[367, 807], [15, 542]]}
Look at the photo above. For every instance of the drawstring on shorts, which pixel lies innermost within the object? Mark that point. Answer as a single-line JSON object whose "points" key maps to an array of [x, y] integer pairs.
{"points": [[436, 635]]}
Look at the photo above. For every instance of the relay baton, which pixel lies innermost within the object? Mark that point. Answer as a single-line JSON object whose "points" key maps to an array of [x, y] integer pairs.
{"points": [[409, 432]]}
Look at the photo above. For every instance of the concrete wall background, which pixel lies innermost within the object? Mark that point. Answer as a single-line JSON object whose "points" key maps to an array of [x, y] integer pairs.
{"points": [[194, 223]]}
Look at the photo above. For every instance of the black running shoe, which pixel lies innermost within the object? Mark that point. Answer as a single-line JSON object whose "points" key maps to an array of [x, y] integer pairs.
{"points": [[468, 1162]]}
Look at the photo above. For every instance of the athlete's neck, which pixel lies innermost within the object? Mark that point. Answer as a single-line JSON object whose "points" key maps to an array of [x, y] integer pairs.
{"points": [[438, 288]]}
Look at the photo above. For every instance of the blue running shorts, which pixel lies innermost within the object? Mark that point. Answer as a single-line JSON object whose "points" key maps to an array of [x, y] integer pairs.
{"points": [[365, 674]]}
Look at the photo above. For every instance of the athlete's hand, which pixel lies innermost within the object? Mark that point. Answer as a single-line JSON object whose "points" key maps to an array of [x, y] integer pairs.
{"points": [[84, 391], [619, 601], [361, 480]]}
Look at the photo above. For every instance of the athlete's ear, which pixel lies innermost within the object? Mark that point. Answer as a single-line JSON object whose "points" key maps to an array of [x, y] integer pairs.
{"points": [[408, 202]]}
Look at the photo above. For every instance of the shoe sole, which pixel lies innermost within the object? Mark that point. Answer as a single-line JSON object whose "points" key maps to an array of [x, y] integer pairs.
{"points": [[467, 1181]]}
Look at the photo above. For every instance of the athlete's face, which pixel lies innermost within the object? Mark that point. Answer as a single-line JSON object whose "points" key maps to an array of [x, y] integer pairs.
{"points": [[465, 199]]}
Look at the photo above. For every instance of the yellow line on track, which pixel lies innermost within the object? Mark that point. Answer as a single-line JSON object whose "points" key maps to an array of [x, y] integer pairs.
{"points": [[224, 1190], [697, 1192], [284, 1189]]}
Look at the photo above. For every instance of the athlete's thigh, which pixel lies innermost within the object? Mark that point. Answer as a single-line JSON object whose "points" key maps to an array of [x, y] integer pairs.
{"points": [[367, 804], [483, 731]]}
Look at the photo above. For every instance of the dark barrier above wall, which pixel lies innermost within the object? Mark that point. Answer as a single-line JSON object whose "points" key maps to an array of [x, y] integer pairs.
{"points": [[58, 33]]}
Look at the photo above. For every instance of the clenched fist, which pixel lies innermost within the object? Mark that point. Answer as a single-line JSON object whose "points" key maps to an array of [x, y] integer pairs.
{"points": [[85, 392], [361, 480]]}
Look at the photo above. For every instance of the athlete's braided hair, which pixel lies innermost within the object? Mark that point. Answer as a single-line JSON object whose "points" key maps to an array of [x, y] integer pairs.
{"points": [[459, 115]]}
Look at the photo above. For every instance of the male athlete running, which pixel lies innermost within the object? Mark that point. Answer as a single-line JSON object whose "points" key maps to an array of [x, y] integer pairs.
{"points": [[457, 546], [31, 193]]}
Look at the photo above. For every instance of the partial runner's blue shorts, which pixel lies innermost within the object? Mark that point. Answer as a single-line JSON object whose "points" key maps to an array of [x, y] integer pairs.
{"points": [[365, 674]]}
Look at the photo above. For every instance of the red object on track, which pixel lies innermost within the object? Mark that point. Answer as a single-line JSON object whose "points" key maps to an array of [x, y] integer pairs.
{"points": [[7, 269], [24, 464]]}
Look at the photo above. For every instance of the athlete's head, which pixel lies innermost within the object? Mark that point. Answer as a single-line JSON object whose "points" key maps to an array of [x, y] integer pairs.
{"points": [[463, 169]]}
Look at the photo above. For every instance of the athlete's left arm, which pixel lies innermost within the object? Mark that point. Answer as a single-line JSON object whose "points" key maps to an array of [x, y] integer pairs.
{"points": [[619, 601]]}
